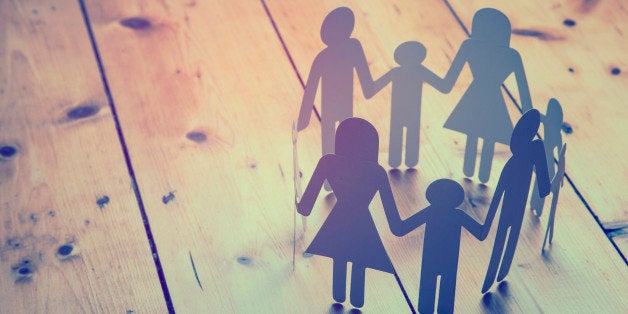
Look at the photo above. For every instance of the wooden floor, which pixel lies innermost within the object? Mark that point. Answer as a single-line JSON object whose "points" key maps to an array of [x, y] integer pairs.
{"points": [[146, 157]]}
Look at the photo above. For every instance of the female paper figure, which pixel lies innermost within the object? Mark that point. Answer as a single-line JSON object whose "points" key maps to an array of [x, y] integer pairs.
{"points": [[514, 187], [407, 85], [552, 140], [333, 67], [441, 246], [481, 112], [557, 183], [349, 234]]}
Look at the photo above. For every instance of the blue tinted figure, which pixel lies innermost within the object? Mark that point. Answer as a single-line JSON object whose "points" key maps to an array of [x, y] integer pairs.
{"points": [[557, 183], [441, 247], [481, 112], [514, 187], [349, 234], [407, 85], [333, 68], [552, 141]]}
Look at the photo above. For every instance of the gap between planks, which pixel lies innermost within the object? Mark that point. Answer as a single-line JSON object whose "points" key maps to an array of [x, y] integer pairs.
{"points": [[127, 159]]}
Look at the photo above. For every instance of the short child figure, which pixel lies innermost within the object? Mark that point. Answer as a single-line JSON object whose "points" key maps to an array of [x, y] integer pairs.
{"points": [[407, 84], [441, 245]]}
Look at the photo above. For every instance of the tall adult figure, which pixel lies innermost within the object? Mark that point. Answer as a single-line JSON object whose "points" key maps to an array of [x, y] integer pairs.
{"points": [[333, 68], [528, 155], [481, 112], [349, 233]]}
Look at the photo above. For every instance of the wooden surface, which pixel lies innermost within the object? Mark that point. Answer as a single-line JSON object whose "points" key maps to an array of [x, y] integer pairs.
{"points": [[68, 157], [205, 93]]}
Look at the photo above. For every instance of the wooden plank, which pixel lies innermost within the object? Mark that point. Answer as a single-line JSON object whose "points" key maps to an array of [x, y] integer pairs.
{"points": [[206, 97], [580, 249], [581, 66], [71, 235]]}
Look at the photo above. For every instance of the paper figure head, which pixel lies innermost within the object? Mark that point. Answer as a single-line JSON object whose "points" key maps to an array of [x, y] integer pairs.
{"points": [[410, 53], [524, 131], [337, 26], [357, 139], [491, 25], [554, 114], [445, 192]]}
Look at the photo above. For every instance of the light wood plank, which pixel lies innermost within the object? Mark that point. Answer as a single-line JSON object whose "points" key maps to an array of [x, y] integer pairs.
{"points": [[582, 266], [50, 187], [217, 68], [591, 95]]}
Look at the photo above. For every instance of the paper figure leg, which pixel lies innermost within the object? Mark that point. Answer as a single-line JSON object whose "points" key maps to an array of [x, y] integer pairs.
{"points": [[394, 147], [552, 216], [357, 285], [536, 201], [427, 290], [339, 288], [412, 146], [486, 161], [470, 153], [498, 248], [509, 254], [328, 129], [447, 293]]}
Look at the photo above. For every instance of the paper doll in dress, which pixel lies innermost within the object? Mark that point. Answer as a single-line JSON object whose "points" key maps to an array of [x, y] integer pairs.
{"points": [[514, 186], [407, 84], [481, 112], [441, 246], [348, 235], [552, 141], [333, 69]]}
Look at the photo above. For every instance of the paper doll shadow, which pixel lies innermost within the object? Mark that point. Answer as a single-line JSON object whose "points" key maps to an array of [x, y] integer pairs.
{"points": [[338, 308]]}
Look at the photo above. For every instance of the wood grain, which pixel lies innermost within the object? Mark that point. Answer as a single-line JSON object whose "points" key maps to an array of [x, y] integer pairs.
{"points": [[580, 248], [71, 236], [217, 69], [574, 51]]}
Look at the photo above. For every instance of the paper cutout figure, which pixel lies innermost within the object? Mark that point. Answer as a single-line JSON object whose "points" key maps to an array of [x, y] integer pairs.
{"points": [[552, 139], [557, 183], [481, 112], [333, 67], [441, 246], [407, 84], [349, 234], [514, 186]]}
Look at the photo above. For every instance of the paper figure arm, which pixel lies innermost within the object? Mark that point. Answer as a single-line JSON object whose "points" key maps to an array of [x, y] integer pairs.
{"points": [[314, 186], [362, 69], [474, 227], [397, 226], [455, 69], [311, 87], [540, 167], [381, 82], [430, 78], [492, 209], [522, 84]]}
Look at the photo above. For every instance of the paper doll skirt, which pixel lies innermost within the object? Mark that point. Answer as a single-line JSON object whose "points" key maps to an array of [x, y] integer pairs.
{"points": [[353, 238], [482, 114]]}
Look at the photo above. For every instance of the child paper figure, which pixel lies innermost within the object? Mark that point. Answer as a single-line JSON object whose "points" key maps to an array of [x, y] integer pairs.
{"points": [[441, 246], [333, 67], [557, 183], [349, 234], [481, 112], [407, 82], [552, 139], [514, 187]]}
